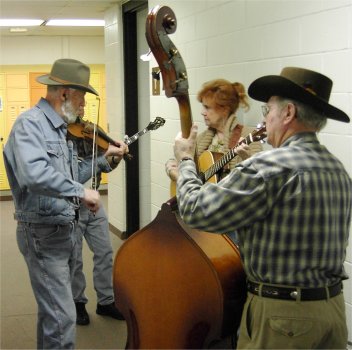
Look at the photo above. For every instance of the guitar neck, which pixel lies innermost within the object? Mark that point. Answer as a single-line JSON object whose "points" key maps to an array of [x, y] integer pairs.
{"points": [[226, 158]]}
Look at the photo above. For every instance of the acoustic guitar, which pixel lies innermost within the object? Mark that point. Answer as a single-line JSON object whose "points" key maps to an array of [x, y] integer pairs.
{"points": [[211, 164]]}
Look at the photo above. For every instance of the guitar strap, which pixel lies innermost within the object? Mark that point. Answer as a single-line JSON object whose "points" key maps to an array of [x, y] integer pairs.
{"points": [[236, 134], [234, 137]]}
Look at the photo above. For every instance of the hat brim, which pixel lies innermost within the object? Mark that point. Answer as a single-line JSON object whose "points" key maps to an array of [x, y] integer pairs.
{"points": [[45, 79], [263, 88]]}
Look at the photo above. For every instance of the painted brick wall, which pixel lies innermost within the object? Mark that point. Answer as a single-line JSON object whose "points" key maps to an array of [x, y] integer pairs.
{"points": [[115, 111]]}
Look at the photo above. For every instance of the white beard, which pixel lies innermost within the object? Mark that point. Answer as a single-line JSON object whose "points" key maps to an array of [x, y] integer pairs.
{"points": [[69, 114]]}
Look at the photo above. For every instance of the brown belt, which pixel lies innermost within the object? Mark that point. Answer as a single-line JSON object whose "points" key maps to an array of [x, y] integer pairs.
{"points": [[292, 293]]}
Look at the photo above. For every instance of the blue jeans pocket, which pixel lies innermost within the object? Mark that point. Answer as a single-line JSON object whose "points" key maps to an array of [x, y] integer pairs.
{"points": [[44, 231], [21, 236], [50, 238]]}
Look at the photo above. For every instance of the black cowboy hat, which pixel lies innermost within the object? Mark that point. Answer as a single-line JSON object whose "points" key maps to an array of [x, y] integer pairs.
{"points": [[302, 85], [70, 73]]}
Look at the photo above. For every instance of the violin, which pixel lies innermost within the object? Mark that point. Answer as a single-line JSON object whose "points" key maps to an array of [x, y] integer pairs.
{"points": [[85, 129]]}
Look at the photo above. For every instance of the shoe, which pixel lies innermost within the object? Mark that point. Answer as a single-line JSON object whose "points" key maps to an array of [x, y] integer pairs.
{"points": [[110, 310], [82, 315]]}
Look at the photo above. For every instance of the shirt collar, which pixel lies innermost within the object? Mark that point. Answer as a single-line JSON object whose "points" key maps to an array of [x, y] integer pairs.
{"points": [[55, 119], [301, 137]]}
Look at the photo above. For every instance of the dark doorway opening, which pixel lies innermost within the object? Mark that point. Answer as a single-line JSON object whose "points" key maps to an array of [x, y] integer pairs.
{"points": [[130, 10]]}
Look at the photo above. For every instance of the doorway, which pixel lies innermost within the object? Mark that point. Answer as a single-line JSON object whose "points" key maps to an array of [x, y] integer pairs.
{"points": [[136, 115]]}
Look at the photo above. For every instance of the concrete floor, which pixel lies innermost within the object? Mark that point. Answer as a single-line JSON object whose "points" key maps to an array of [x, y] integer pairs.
{"points": [[19, 309], [18, 306]]}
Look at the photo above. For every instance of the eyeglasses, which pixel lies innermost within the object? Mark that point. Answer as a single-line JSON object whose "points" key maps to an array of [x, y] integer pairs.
{"points": [[265, 110]]}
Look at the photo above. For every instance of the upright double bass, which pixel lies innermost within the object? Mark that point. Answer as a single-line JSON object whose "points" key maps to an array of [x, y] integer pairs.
{"points": [[177, 287]]}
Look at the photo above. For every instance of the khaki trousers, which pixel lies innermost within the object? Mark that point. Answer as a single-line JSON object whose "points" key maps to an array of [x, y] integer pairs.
{"points": [[284, 324]]}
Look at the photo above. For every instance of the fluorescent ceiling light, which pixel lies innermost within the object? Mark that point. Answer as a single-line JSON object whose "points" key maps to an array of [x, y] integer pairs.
{"points": [[76, 22], [18, 30], [20, 22]]}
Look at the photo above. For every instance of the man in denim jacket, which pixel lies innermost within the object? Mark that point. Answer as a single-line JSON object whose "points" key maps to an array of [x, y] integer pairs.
{"points": [[46, 184]]}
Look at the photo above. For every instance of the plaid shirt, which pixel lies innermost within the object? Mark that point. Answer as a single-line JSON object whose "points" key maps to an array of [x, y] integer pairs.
{"points": [[291, 208]]}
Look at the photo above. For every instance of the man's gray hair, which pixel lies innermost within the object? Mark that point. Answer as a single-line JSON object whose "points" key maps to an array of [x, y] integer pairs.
{"points": [[54, 88], [307, 115]]}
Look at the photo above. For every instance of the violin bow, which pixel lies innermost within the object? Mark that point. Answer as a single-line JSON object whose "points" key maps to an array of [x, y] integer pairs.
{"points": [[95, 151]]}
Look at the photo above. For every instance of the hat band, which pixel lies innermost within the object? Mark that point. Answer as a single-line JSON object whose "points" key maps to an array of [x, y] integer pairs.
{"points": [[65, 81], [311, 91]]}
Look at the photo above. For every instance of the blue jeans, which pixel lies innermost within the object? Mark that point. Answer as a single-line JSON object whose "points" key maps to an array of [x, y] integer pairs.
{"points": [[95, 229], [50, 255]]}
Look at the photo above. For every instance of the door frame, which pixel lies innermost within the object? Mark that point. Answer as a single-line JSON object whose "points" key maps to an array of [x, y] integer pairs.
{"points": [[129, 19]]}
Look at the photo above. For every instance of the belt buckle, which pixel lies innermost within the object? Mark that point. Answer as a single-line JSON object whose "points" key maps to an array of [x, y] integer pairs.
{"points": [[269, 291], [273, 292], [294, 295]]}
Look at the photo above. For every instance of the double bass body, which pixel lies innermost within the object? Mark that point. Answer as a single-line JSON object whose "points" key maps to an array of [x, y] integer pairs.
{"points": [[178, 288]]}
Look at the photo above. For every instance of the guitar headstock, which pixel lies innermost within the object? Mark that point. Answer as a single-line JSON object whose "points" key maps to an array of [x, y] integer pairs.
{"points": [[161, 21], [156, 124], [260, 133]]}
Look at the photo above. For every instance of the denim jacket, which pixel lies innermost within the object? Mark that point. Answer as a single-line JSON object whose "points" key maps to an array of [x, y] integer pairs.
{"points": [[42, 167]]}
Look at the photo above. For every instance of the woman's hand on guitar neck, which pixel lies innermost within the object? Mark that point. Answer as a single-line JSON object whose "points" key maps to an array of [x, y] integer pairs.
{"points": [[243, 150], [185, 148]]}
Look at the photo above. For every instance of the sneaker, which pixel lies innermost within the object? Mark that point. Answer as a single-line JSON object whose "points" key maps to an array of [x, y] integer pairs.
{"points": [[82, 315], [109, 310]]}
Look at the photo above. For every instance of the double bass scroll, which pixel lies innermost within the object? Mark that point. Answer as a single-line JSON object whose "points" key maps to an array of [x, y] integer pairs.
{"points": [[160, 22]]}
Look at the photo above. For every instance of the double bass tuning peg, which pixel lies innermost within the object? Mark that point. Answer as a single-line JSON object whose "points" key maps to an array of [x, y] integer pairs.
{"points": [[173, 52], [169, 24], [182, 77]]}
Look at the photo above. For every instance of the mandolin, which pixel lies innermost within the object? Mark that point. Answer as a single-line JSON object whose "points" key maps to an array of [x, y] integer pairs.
{"points": [[156, 124]]}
